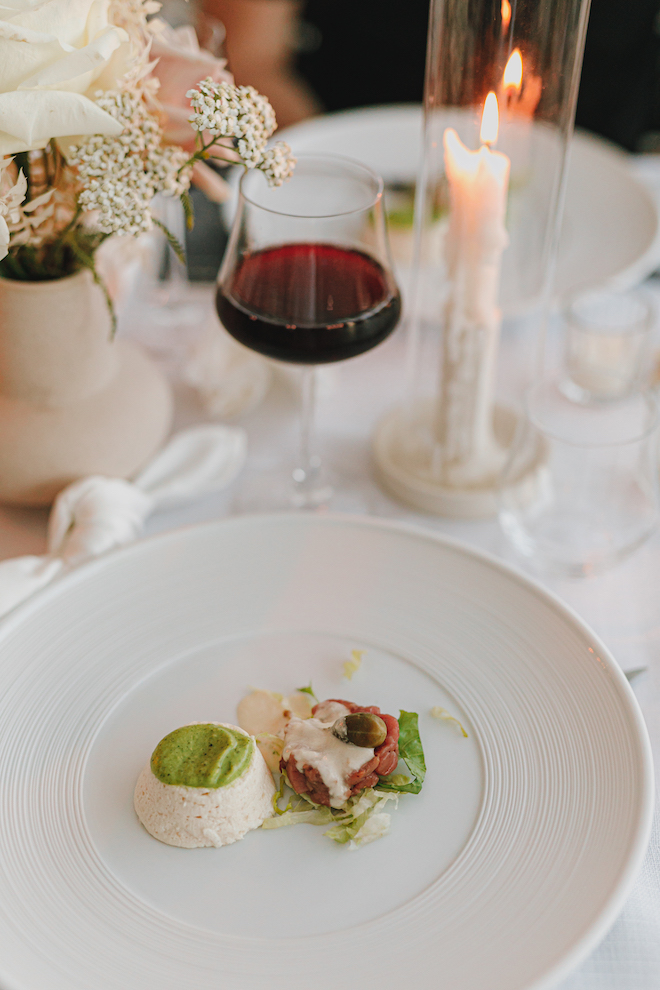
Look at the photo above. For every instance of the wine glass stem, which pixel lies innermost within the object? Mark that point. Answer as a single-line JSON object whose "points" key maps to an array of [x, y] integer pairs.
{"points": [[309, 462]]}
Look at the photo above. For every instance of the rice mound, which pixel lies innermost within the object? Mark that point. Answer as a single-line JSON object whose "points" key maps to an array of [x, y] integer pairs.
{"points": [[192, 817]]}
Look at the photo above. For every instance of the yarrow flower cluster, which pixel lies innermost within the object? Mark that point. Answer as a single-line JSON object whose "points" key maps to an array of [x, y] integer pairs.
{"points": [[232, 111], [277, 163], [120, 175], [75, 192], [244, 116]]}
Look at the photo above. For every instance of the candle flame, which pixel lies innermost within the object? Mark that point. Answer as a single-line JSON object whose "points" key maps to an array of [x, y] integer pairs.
{"points": [[490, 120], [506, 14], [513, 72]]}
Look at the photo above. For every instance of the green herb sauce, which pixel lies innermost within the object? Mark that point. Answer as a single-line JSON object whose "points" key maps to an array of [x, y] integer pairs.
{"points": [[204, 755]]}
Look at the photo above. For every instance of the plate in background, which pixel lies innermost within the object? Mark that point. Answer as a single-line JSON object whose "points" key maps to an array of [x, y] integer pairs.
{"points": [[506, 870], [611, 230]]}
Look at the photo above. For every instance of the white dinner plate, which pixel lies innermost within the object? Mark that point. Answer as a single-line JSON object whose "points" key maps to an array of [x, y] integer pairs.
{"points": [[501, 875], [611, 230]]}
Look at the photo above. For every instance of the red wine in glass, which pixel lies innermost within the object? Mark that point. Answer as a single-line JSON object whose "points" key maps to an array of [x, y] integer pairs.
{"points": [[309, 303]]}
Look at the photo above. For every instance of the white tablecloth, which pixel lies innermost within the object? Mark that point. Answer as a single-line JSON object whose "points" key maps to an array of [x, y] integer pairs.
{"points": [[622, 605]]}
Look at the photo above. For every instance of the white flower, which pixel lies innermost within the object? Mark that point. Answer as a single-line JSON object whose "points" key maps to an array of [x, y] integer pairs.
{"points": [[120, 175], [165, 164], [244, 116], [11, 197], [238, 112], [278, 163], [51, 54]]}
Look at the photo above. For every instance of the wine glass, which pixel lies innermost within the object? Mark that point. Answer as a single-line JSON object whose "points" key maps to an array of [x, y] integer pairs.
{"points": [[307, 279]]}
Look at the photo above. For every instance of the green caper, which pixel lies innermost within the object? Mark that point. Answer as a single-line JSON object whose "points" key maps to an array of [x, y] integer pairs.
{"points": [[361, 729]]}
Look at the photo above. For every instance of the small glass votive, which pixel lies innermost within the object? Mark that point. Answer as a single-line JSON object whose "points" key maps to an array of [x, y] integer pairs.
{"points": [[595, 495], [608, 341]]}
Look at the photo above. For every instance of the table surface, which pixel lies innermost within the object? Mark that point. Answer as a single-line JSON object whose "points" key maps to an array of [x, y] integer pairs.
{"points": [[621, 605]]}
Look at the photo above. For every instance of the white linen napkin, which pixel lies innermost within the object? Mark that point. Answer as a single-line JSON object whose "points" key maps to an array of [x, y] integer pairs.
{"points": [[96, 514]]}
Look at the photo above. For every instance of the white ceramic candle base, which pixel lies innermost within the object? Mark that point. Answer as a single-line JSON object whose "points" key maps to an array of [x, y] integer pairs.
{"points": [[403, 451]]}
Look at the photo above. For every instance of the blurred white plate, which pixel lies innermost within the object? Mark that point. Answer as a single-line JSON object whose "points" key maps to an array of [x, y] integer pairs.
{"points": [[503, 873], [611, 231]]}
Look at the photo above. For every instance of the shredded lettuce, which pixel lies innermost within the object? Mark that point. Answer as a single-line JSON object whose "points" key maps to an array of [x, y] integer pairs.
{"points": [[412, 754], [359, 821], [442, 713], [354, 826], [278, 795], [374, 828], [317, 815], [353, 665]]}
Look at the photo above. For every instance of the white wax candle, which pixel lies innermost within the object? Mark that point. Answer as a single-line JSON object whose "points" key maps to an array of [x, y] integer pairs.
{"points": [[478, 185], [476, 237]]}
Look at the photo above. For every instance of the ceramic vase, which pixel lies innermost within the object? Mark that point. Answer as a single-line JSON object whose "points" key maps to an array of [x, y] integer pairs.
{"points": [[73, 401]]}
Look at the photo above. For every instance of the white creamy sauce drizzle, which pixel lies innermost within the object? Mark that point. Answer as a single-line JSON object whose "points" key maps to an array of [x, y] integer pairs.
{"points": [[311, 743], [330, 711]]}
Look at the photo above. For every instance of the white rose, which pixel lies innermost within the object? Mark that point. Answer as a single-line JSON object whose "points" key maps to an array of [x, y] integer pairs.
{"points": [[52, 55]]}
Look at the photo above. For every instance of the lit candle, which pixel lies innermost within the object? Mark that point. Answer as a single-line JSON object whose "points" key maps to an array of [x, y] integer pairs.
{"points": [[513, 76], [478, 183], [521, 101]]}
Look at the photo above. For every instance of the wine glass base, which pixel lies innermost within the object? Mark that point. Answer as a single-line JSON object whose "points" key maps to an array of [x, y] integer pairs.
{"points": [[278, 490]]}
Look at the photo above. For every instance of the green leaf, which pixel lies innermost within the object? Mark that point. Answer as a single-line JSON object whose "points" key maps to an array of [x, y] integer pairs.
{"points": [[188, 211], [173, 241], [412, 754], [87, 261], [410, 745], [393, 786], [308, 690]]}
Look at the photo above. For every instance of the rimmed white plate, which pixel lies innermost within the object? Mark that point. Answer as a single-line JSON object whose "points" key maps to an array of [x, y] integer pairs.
{"points": [[503, 873], [611, 230]]}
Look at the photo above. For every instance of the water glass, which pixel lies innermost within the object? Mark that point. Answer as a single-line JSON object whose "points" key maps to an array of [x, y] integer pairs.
{"points": [[608, 340], [590, 494]]}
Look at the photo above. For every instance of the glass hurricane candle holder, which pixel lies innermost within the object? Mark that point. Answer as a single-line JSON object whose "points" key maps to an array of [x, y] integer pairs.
{"points": [[501, 87]]}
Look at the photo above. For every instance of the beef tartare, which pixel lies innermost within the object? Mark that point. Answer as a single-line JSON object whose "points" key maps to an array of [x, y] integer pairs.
{"points": [[328, 756]]}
